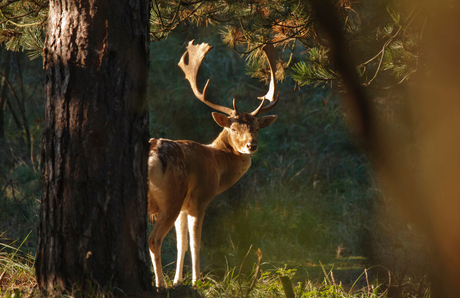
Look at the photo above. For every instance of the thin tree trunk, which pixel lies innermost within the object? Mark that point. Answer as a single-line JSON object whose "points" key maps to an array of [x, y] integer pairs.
{"points": [[21, 101], [93, 218], [3, 91]]}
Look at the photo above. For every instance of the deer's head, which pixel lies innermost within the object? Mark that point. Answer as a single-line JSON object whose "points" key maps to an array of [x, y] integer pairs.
{"points": [[242, 128]]}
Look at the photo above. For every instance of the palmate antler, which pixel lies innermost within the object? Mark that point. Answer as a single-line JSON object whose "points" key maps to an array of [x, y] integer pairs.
{"points": [[191, 61], [270, 53]]}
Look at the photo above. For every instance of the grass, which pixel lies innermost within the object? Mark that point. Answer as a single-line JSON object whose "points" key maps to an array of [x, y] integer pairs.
{"points": [[309, 201], [17, 280], [16, 267]]}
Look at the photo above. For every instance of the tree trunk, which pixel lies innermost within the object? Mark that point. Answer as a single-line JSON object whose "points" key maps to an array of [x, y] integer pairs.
{"points": [[3, 91], [93, 216], [21, 101]]}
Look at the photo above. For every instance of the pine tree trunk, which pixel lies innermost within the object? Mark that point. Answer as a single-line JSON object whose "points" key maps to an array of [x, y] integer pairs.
{"points": [[93, 215]]}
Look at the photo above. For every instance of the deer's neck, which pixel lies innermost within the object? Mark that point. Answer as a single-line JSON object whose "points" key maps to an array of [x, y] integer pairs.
{"points": [[222, 142], [234, 164]]}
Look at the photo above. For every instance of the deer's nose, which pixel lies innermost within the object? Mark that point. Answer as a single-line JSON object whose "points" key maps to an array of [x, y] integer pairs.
{"points": [[251, 146]]}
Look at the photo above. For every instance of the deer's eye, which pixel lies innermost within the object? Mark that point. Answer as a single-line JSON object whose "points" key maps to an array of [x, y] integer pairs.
{"points": [[233, 130]]}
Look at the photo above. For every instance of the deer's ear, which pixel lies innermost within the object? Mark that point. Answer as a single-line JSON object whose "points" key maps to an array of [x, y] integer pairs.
{"points": [[221, 119], [266, 121]]}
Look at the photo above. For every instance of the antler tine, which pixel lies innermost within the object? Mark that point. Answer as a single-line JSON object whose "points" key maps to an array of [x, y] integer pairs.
{"points": [[235, 110], [190, 63], [270, 53]]}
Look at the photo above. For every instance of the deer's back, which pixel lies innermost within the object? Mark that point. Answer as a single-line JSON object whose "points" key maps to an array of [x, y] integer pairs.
{"points": [[180, 169]]}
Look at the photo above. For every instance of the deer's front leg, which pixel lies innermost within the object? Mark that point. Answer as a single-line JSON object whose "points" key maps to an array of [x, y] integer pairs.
{"points": [[195, 223], [182, 245]]}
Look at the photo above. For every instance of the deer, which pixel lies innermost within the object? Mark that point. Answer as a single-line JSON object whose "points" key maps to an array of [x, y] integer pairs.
{"points": [[184, 176]]}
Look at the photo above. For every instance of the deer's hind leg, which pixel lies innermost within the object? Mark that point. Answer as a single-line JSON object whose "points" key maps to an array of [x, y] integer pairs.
{"points": [[170, 204], [182, 245], [195, 219], [195, 224]]}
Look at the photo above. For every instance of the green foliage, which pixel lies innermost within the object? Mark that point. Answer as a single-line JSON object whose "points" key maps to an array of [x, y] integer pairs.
{"points": [[22, 23], [389, 54], [380, 35], [314, 70]]}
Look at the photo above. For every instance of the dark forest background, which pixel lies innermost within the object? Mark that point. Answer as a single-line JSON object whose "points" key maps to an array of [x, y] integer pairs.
{"points": [[310, 201]]}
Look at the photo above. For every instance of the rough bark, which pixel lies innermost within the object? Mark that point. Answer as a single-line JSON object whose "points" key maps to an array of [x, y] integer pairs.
{"points": [[93, 220]]}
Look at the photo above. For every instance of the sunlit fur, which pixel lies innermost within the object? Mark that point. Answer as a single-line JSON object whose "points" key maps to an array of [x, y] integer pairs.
{"points": [[184, 176]]}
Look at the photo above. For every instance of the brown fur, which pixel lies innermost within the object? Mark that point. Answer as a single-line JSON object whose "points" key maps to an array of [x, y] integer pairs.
{"points": [[184, 176]]}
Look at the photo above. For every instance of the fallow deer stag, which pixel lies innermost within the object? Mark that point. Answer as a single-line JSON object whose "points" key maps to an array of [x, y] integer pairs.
{"points": [[184, 176]]}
